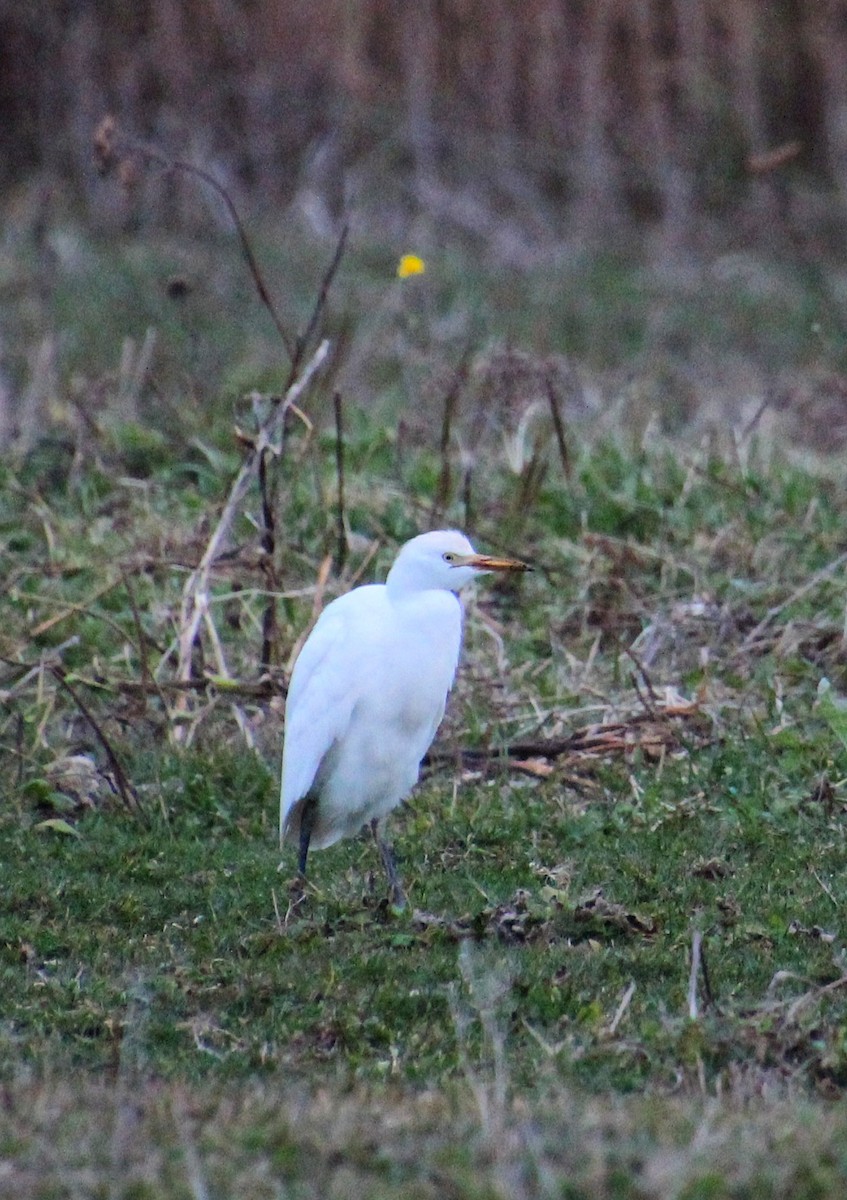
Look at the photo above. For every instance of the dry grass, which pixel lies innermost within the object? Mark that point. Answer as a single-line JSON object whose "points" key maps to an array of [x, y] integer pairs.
{"points": [[139, 1140]]}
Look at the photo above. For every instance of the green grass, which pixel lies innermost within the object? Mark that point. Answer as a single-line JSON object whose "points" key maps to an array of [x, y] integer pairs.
{"points": [[175, 937], [164, 948]]}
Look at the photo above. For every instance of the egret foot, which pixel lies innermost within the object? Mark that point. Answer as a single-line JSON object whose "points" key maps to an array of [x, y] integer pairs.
{"points": [[396, 895]]}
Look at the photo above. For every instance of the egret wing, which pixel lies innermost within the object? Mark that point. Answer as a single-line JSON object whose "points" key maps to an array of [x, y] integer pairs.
{"points": [[321, 697]]}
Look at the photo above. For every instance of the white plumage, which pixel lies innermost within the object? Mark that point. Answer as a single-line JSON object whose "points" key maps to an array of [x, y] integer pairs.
{"points": [[368, 691]]}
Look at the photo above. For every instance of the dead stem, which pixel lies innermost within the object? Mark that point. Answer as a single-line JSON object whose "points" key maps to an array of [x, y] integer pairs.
{"points": [[112, 149], [319, 305], [558, 427], [341, 551], [451, 401], [195, 597], [122, 782]]}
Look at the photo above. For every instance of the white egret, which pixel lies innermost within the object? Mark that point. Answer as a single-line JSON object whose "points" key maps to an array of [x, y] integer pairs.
{"points": [[368, 692]]}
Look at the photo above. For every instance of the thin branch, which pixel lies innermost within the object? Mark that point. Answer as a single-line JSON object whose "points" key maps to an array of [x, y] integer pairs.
{"points": [[442, 491], [112, 147], [143, 655], [648, 699], [696, 942], [807, 586], [260, 689], [558, 427], [122, 782], [622, 1007], [467, 495], [319, 305], [195, 596], [812, 995], [615, 736], [268, 544], [341, 552], [708, 994], [223, 671]]}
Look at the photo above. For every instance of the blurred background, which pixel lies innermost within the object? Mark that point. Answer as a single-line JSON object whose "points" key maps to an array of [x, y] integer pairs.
{"points": [[642, 199]]}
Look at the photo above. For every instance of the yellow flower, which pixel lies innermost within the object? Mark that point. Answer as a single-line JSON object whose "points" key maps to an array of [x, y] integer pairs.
{"points": [[410, 264]]}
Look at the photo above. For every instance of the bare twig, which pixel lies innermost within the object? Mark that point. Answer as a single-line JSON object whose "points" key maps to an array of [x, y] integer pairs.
{"points": [[31, 671], [751, 425], [122, 782], [341, 552], [255, 690], [529, 484], [558, 427], [771, 160], [701, 970], [319, 305], [112, 147], [223, 672], [708, 994], [825, 888], [317, 607], [696, 942], [622, 1007], [467, 495], [612, 737], [269, 626], [268, 544], [809, 585], [143, 656], [195, 596], [451, 399], [648, 698], [70, 610], [812, 995], [442, 491]]}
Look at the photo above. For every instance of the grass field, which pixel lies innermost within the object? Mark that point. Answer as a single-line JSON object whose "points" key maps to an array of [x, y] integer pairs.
{"points": [[622, 971]]}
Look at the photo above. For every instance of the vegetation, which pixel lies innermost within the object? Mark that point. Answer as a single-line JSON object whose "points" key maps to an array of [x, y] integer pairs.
{"points": [[622, 970]]}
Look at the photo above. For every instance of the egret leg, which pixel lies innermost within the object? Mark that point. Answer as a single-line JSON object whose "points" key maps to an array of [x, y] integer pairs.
{"points": [[307, 824], [386, 853]]}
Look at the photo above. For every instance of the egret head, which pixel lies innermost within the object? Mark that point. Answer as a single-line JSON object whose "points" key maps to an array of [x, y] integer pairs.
{"points": [[443, 559]]}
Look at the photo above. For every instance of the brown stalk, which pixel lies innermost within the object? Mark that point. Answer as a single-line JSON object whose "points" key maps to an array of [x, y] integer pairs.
{"points": [[442, 492], [467, 495], [268, 544], [342, 548], [529, 484], [143, 656], [268, 440], [608, 738], [648, 698], [253, 689], [267, 481], [558, 427], [122, 782], [771, 160], [319, 305], [113, 150]]}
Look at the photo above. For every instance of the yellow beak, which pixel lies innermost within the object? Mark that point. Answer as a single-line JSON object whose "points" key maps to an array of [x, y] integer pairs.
{"points": [[487, 562]]}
